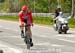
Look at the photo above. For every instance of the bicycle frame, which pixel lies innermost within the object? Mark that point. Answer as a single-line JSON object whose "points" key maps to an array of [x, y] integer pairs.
{"points": [[27, 39]]}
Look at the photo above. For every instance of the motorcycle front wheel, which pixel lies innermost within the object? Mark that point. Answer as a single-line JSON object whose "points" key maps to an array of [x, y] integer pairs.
{"points": [[60, 32]]}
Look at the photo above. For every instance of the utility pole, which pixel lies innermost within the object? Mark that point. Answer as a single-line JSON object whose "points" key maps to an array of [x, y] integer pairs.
{"points": [[58, 2], [49, 5], [72, 12], [34, 6], [59, 5]]}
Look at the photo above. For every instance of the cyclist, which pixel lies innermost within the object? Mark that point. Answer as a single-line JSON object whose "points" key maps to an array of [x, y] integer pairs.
{"points": [[25, 19]]}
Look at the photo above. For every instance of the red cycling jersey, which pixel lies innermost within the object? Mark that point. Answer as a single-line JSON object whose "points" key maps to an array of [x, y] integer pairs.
{"points": [[27, 16]]}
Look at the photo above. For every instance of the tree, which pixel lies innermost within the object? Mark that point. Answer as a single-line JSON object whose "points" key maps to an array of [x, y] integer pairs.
{"points": [[66, 6], [1, 1], [41, 6]]}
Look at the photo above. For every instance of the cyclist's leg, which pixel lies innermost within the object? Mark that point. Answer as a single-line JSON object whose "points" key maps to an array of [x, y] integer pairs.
{"points": [[29, 31], [21, 28], [30, 34], [22, 31]]}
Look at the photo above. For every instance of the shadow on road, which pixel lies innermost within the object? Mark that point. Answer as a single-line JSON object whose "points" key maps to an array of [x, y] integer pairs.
{"points": [[1, 31], [71, 33]]}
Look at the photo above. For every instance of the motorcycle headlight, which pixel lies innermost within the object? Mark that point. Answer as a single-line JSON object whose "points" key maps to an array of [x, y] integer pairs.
{"points": [[66, 22], [62, 22]]}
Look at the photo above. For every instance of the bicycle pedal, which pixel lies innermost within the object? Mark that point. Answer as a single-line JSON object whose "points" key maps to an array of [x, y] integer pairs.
{"points": [[25, 41], [31, 44]]}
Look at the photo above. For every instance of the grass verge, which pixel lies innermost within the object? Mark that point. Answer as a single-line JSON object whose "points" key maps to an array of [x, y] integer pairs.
{"points": [[39, 20]]}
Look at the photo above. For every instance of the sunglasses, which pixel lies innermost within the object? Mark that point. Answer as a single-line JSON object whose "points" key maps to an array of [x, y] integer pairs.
{"points": [[24, 11]]}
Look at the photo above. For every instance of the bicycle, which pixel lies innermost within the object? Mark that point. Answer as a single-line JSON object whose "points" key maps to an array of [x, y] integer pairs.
{"points": [[25, 35], [27, 38]]}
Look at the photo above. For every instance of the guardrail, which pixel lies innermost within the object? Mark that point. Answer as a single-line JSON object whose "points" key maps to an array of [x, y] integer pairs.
{"points": [[34, 14], [8, 14]]}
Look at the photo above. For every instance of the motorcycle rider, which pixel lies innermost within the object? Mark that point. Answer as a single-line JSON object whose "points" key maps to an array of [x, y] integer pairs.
{"points": [[58, 11]]}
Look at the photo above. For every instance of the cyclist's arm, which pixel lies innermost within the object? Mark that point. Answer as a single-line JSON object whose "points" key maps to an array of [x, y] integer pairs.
{"points": [[30, 16], [20, 19]]}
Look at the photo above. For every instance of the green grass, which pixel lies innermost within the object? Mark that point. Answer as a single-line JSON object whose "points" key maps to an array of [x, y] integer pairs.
{"points": [[72, 22], [12, 18], [39, 20], [43, 20]]}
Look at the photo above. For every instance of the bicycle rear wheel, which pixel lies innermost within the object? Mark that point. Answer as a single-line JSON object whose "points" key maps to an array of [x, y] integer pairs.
{"points": [[27, 39]]}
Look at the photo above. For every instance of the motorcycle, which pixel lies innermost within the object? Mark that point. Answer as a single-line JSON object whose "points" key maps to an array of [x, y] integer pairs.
{"points": [[61, 24]]}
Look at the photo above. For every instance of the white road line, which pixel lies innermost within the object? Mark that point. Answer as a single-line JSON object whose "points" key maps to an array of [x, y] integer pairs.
{"points": [[0, 26], [66, 35], [43, 36], [11, 36], [67, 40], [57, 45], [42, 44], [45, 44], [9, 29], [37, 44], [9, 21], [68, 52], [10, 49]]}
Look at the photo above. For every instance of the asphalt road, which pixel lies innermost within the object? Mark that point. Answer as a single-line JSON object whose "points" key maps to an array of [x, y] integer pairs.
{"points": [[45, 39]]}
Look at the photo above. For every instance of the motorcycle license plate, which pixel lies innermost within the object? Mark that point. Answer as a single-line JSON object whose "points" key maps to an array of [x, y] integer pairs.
{"points": [[64, 25]]}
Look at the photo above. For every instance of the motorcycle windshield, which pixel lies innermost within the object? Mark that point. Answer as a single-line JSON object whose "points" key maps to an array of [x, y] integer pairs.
{"points": [[63, 19]]}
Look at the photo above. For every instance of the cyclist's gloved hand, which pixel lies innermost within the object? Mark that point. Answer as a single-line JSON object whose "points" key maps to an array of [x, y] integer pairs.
{"points": [[23, 24], [32, 24]]}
